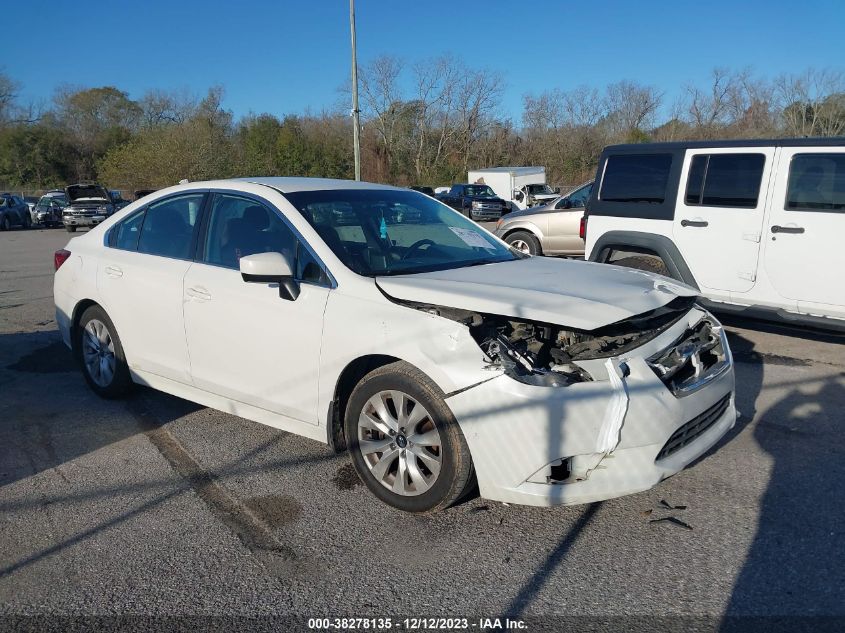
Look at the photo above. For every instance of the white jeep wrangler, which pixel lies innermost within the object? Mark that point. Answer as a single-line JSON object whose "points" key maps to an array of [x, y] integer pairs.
{"points": [[756, 226]]}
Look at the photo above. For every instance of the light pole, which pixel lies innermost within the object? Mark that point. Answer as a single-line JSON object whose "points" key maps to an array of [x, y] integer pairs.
{"points": [[356, 125]]}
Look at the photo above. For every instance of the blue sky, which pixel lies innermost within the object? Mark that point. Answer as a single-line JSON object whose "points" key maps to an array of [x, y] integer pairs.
{"points": [[285, 56]]}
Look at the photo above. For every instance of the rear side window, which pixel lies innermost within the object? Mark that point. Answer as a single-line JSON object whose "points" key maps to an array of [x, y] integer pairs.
{"points": [[125, 235], [169, 227], [636, 178], [725, 180], [816, 183]]}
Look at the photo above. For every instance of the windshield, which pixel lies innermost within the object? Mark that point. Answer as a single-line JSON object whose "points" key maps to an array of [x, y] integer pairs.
{"points": [[480, 191], [539, 189], [385, 232]]}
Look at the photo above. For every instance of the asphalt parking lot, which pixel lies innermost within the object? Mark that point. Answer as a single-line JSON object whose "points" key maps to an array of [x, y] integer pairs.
{"points": [[156, 506]]}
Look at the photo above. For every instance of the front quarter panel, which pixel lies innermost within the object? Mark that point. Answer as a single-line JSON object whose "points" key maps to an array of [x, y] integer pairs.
{"points": [[360, 326]]}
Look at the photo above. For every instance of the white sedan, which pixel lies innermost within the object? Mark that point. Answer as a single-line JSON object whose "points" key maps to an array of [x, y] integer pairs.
{"points": [[380, 320]]}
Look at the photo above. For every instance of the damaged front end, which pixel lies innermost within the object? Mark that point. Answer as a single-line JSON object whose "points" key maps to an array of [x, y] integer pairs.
{"points": [[545, 354]]}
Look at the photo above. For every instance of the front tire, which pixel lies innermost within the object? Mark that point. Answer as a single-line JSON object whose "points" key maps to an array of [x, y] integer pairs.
{"points": [[404, 441], [70, 229], [524, 242], [100, 352], [5, 225], [27, 222]]}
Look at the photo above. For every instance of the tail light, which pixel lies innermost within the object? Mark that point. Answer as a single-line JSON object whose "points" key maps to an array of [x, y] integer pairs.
{"points": [[60, 257], [582, 228]]}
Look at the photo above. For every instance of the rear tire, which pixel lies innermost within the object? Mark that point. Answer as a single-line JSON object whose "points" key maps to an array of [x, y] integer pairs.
{"points": [[98, 348], [70, 229], [524, 242], [650, 263], [404, 441]]}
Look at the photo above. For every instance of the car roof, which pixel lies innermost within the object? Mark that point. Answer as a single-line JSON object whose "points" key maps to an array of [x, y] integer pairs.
{"points": [[756, 142], [291, 184]]}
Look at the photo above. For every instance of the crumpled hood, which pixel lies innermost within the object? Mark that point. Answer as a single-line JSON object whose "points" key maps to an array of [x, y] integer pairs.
{"points": [[570, 293]]}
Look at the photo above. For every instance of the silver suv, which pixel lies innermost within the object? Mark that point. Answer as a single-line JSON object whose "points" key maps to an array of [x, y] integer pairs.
{"points": [[551, 229]]}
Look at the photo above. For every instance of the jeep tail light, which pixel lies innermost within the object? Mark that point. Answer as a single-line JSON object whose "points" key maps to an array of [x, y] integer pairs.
{"points": [[582, 228], [60, 257]]}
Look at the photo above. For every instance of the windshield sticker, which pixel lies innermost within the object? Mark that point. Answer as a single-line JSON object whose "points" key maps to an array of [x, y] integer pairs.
{"points": [[471, 238]]}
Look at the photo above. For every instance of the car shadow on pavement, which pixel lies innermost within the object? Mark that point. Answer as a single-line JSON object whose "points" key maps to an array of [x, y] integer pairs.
{"points": [[795, 567]]}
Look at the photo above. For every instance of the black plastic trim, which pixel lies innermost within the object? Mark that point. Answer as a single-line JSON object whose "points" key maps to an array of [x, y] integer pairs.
{"points": [[646, 243]]}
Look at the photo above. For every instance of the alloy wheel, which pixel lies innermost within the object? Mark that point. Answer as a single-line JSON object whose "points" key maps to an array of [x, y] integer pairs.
{"points": [[400, 443], [521, 245], [98, 352]]}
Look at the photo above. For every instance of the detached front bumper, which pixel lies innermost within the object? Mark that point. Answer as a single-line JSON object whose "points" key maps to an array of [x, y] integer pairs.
{"points": [[522, 437]]}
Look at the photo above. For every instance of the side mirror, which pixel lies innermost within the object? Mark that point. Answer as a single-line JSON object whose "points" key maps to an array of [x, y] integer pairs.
{"points": [[270, 268], [566, 203], [517, 195], [557, 189]]}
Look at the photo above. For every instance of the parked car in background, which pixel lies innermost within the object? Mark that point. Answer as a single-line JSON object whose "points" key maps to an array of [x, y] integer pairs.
{"points": [[426, 190], [118, 200], [88, 205], [31, 201], [755, 225], [551, 229], [477, 202], [13, 212], [436, 354], [48, 210], [140, 193]]}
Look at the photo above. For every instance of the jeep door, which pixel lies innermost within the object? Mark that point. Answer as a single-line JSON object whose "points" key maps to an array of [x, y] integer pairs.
{"points": [[719, 215], [804, 253]]}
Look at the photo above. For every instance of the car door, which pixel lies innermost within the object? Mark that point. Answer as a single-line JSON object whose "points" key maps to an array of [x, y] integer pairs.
{"points": [[245, 341], [719, 215], [804, 254], [140, 281], [565, 221]]}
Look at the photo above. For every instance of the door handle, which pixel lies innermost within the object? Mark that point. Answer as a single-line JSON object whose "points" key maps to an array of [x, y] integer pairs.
{"points": [[113, 271], [694, 223], [199, 292], [787, 229]]}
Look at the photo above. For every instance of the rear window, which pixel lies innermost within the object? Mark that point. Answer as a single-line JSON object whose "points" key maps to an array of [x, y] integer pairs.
{"points": [[816, 183], [725, 180], [636, 178]]}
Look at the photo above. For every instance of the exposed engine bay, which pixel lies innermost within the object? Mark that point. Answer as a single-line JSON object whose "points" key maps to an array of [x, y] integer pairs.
{"points": [[544, 354]]}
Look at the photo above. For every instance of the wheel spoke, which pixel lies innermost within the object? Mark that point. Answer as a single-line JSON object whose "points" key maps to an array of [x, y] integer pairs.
{"points": [[400, 403], [382, 466], [417, 415], [369, 447], [417, 477], [368, 421], [429, 438], [379, 404], [400, 484], [431, 462]]}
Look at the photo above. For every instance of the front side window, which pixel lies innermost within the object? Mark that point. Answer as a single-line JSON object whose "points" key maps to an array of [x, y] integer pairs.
{"points": [[387, 232], [168, 226], [637, 178], [238, 227], [816, 183], [579, 197], [725, 180], [479, 191]]}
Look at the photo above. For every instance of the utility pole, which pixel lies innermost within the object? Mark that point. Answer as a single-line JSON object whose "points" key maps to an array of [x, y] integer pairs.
{"points": [[356, 124]]}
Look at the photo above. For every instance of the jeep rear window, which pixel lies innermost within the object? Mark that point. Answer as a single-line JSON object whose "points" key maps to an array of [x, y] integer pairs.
{"points": [[816, 183], [636, 178], [725, 180]]}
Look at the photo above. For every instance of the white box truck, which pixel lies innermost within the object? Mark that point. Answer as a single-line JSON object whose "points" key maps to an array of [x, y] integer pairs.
{"points": [[520, 187]]}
